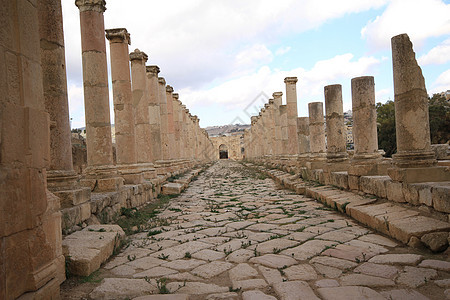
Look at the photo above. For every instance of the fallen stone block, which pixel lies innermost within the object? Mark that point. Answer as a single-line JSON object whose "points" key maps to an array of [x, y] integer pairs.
{"points": [[172, 188], [86, 250]]}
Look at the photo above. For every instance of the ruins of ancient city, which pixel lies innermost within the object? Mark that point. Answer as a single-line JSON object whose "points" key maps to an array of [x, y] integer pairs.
{"points": [[281, 211]]}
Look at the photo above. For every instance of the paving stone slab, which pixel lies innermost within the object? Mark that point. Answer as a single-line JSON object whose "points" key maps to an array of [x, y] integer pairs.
{"points": [[385, 271], [334, 262], [300, 272], [365, 280], [326, 283], [223, 296], [273, 260], [116, 288], [242, 271], [184, 264], [240, 256], [211, 269], [308, 249], [403, 294], [164, 297], [327, 271], [349, 293], [272, 276], [249, 284], [294, 290], [256, 295], [195, 288], [403, 259], [414, 277], [275, 245]]}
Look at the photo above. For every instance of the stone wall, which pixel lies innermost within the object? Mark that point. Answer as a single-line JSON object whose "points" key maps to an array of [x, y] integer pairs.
{"points": [[233, 145]]}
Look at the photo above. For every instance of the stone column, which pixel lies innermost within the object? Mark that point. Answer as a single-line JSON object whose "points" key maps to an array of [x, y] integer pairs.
{"points": [[414, 161], [140, 102], [277, 121], [164, 120], [366, 160], [119, 39], [292, 115], [154, 112], [176, 125], [336, 133], [96, 97], [316, 136], [284, 129], [170, 123], [60, 174], [303, 140], [31, 260]]}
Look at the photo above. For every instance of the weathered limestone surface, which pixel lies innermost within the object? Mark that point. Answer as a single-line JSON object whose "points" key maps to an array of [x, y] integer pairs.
{"points": [[414, 160], [316, 135], [292, 115], [223, 236]]}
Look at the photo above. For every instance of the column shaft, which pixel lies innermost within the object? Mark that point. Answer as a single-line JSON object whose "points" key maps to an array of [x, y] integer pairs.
{"points": [[154, 112], [292, 114]]}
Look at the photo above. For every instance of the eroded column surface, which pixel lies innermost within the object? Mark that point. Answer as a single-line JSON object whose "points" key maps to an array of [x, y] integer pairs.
{"points": [[140, 102], [95, 81], [154, 112], [303, 140], [124, 120], [170, 123], [100, 171], [277, 100], [164, 118], [284, 129], [60, 174], [316, 135], [411, 118], [336, 133], [31, 260], [176, 125], [292, 114]]}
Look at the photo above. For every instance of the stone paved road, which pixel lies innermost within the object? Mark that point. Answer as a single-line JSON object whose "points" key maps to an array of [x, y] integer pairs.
{"points": [[235, 235]]}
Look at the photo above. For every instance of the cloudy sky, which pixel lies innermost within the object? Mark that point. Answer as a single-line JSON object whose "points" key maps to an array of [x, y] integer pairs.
{"points": [[225, 57]]}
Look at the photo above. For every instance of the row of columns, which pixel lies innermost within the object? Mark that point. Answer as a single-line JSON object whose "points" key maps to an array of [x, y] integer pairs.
{"points": [[151, 124], [324, 147]]}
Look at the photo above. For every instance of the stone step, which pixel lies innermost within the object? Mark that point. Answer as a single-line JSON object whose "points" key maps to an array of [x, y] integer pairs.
{"points": [[87, 249], [397, 221]]}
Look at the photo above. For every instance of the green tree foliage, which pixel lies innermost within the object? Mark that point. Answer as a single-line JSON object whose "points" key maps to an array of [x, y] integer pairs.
{"points": [[386, 127], [439, 112]]}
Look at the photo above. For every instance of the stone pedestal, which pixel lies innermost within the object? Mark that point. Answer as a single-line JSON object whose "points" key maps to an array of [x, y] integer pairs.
{"points": [[96, 95], [317, 156], [292, 115], [119, 39], [414, 160]]}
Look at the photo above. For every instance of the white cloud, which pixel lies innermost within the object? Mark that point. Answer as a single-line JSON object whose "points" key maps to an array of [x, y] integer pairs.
{"points": [[383, 95], [420, 19], [236, 94], [282, 50], [438, 55], [442, 83], [253, 56]]}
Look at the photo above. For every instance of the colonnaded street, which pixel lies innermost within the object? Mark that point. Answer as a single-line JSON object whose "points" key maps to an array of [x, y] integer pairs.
{"points": [[233, 234]]}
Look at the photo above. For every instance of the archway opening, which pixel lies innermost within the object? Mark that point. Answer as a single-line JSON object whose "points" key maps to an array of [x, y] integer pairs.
{"points": [[223, 151]]}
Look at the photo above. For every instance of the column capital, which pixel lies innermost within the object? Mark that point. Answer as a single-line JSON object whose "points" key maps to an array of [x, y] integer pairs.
{"points": [[291, 80], [271, 101], [138, 55], [91, 5], [278, 94], [118, 35], [266, 106], [176, 96], [161, 80], [169, 89], [153, 70]]}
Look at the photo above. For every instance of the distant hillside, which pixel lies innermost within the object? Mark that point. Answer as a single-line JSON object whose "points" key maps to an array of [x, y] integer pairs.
{"points": [[226, 129]]}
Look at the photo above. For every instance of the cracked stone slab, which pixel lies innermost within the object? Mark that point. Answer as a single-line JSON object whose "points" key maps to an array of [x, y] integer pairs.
{"points": [[273, 260], [114, 288], [212, 269], [349, 292], [294, 290]]}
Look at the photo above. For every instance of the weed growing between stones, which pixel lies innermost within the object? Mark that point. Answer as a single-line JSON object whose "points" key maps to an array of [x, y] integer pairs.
{"points": [[93, 278], [135, 220]]}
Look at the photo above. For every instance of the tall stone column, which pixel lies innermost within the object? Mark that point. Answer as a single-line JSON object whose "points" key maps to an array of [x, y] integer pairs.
{"points": [[140, 101], [119, 39], [277, 121], [31, 260], [96, 97], [170, 124], [414, 160], [154, 112], [303, 140], [60, 174], [292, 115], [316, 136], [336, 133], [284, 129], [164, 118], [176, 125]]}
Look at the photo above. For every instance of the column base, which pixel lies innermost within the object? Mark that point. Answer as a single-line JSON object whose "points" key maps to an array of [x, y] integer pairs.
{"points": [[328, 168], [316, 161], [131, 173], [58, 180], [417, 175], [410, 159], [302, 159], [369, 167], [148, 170], [102, 179]]}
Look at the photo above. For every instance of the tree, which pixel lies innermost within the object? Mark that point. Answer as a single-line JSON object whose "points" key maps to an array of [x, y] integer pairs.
{"points": [[439, 115], [439, 111], [386, 127]]}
